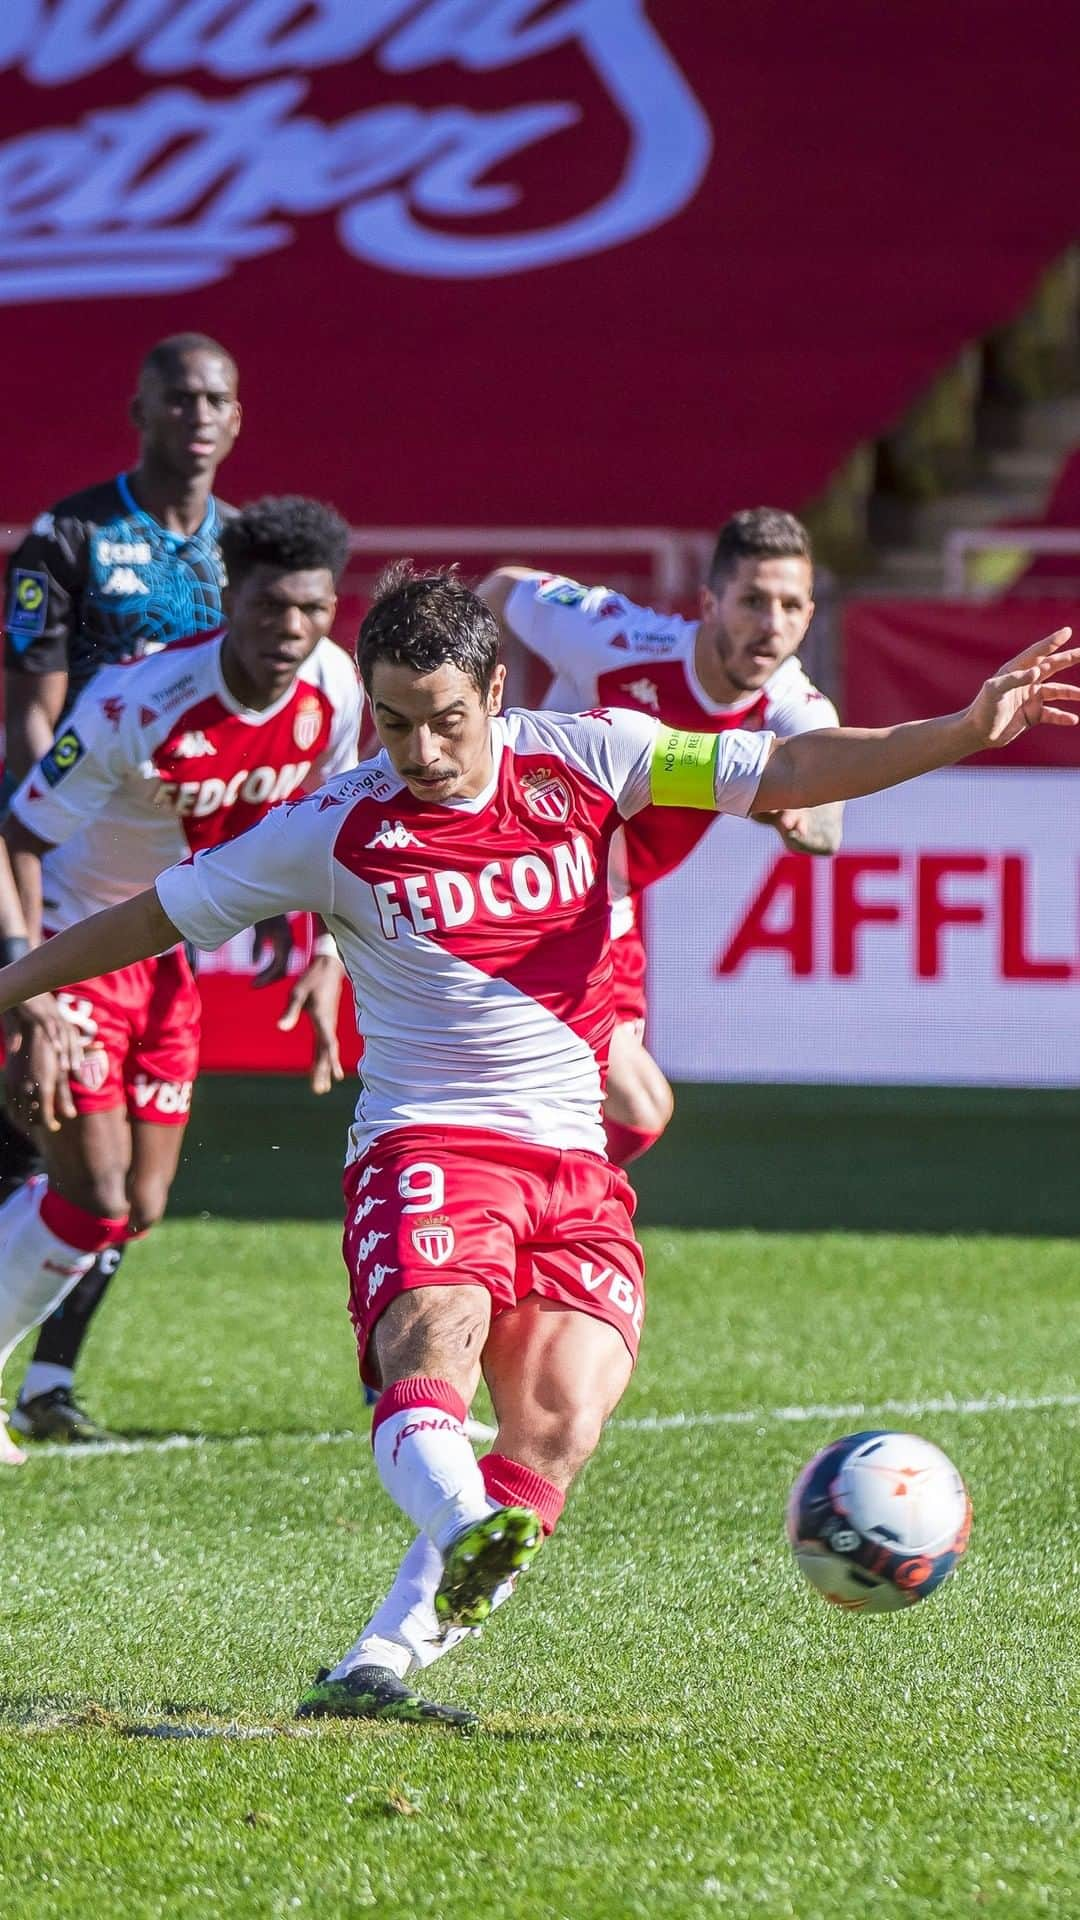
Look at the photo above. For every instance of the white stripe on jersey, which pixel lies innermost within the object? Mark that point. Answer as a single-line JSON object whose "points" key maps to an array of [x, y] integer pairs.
{"points": [[475, 935]]}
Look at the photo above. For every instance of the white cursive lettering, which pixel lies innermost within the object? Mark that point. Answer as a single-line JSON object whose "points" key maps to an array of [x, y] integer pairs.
{"points": [[176, 189]]}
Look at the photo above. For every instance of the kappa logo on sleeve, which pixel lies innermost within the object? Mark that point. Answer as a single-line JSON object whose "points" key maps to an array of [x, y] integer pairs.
{"points": [[66, 752], [27, 606]]}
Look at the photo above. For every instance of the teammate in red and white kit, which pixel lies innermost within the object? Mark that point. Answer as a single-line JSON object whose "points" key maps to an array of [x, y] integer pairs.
{"points": [[735, 666], [463, 872], [180, 751]]}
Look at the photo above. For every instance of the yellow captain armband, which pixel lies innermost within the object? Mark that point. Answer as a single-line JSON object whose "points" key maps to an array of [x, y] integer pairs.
{"points": [[683, 771]]}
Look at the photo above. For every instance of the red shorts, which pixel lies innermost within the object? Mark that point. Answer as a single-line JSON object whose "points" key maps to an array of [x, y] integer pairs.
{"points": [[448, 1207], [628, 968], [140, 1029]]}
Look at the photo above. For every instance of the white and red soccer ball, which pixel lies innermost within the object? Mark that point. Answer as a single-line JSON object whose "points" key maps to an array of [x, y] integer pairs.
{"points": [[877, 1521]]}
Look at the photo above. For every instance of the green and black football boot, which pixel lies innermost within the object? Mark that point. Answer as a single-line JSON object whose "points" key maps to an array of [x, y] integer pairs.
{"points": [[376, 1693]]}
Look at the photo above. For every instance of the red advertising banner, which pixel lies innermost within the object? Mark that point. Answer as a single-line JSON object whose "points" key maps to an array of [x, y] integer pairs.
{"points": [[239, 1021], [905, 659], [593, 262]]}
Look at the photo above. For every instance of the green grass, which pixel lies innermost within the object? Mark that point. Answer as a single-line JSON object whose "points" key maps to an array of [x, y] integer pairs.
{"points": [[673, 1724]]}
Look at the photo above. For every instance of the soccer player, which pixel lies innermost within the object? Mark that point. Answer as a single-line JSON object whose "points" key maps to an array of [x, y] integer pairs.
{"points": [[125, 564], [174, 753], [735, 666], [129, 562], [463, 872]]}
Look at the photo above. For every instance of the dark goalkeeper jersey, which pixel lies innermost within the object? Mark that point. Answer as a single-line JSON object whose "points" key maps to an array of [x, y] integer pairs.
{"points": [[97, 580]]}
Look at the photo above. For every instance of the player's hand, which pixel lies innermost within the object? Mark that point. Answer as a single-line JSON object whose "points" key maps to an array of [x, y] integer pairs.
{"points": [[1023, 694], [798, 829], [43, 1049], [317, 992], [275, 937]]}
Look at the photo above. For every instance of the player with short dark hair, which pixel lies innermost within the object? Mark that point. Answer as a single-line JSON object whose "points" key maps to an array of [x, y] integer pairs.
{"points": [[122, 565], [127, 563], [736, 665], [180, 750], [463, 872], [426, 621], [758, 533]]}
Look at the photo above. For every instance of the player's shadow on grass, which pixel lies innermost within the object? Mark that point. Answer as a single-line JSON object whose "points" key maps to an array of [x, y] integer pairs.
{"points": [[37, 1715]]}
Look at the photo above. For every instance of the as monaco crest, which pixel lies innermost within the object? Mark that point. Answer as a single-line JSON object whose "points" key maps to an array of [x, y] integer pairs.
{"points": [[547, 797], [307, 723], [92, 1070], [434, 1240]]}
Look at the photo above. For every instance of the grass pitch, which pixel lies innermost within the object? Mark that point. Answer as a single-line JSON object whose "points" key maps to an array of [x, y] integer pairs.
{"points": [[674, 1725]]}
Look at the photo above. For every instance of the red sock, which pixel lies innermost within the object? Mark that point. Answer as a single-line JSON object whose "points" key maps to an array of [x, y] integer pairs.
{"points": [[86, 1232], [417, 1391], [627, 1143], [513, 1485]]}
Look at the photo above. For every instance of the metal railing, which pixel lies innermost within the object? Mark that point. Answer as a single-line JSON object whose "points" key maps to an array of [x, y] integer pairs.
{"points": [[674, 559], [1020, 544]]}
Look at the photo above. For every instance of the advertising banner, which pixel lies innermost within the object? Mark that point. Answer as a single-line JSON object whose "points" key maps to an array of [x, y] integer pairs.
{"points": [[239, 1021], [942, 945], [592, 262]]}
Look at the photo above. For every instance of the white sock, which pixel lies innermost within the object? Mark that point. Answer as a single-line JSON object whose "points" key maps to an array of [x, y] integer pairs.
{"points": [[42, 1376], [404, 1634], [37, 1268], [429, 1469]]}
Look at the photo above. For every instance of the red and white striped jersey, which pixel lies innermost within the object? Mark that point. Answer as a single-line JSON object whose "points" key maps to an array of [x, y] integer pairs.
{"points": [[475, 932], [159, 759], [603, 650]]}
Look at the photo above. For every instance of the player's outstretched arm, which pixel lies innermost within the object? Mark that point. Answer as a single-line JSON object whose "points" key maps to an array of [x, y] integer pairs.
{"points": [[495, 589], [104, 943], [843, 763]]}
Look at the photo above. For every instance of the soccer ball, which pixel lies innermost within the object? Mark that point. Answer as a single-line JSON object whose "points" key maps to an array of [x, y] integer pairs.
{"points": [[878, 1521]]}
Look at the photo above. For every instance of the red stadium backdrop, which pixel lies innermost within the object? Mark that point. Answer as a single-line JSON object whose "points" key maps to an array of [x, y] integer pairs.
{"points": [[590, 262], [495, 263], [904, 659]]}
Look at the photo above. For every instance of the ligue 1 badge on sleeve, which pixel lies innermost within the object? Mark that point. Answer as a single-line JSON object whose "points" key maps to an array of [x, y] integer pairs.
{"points": [[28, 606], [66, 752]]}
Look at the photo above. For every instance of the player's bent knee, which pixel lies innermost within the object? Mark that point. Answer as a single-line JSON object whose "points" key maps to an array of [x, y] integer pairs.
{"points": [[437, 1331], [148, 1195], [146, 1210]]}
